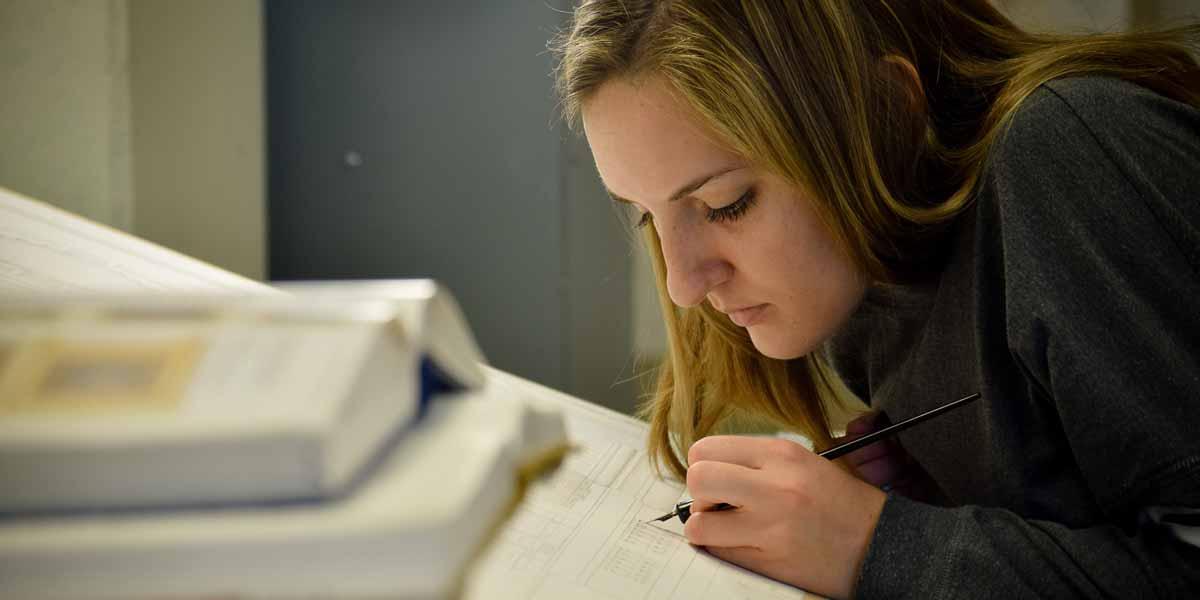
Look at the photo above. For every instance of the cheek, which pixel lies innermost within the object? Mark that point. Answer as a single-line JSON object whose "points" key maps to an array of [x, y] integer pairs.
{"points": [[791, 256], [813, 286], [804, 318]]}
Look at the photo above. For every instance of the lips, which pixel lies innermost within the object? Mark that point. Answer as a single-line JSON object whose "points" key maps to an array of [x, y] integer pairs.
{"points": [[745, 317]]}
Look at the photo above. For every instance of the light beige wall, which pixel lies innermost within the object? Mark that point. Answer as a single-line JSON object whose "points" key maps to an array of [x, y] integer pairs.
{"points": [[64, 114], [146, 115], [196, 72]]}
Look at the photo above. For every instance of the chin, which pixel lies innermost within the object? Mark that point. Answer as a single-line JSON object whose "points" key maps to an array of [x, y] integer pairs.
{"points": [[781, 347]]}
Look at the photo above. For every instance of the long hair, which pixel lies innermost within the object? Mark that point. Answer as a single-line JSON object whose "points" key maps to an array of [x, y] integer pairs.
{"points": [[808, 90]]}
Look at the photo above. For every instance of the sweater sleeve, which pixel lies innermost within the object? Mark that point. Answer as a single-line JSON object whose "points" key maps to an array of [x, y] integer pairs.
{"points": [[1098, 200]]}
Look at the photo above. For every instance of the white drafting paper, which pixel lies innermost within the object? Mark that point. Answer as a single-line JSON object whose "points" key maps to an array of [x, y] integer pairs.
{"points": [[47, 250], [582, 532]]}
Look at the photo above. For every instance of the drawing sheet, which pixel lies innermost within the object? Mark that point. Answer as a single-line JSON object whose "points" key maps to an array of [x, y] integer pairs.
{"points": [[47, 250], [582, 532]]}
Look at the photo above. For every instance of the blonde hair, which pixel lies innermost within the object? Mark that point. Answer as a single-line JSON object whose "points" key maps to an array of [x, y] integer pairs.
{"points": [[804, 89]]}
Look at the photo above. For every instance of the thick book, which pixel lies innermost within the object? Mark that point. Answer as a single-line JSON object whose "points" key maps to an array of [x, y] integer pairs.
{"points": [[409, 531], [114, 401]]}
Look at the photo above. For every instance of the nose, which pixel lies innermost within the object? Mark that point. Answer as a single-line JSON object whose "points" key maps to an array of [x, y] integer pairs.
{"points": [[694, 264]]}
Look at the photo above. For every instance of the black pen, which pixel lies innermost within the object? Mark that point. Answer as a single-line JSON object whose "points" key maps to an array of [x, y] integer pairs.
{"points": [[684, 509]]}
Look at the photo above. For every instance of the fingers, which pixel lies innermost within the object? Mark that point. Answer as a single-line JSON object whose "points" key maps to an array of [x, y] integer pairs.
{"points": [[864, 424], [710, 482], [871, 452], [738, 450], [747, 451], [882, 463], [881, 471], [722, 529], [725, 468]]}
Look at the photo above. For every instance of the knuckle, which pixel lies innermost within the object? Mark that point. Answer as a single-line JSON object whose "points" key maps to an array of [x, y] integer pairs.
{"points": [[695, 452], [699, 475], [785, 449], [699, 450], [795, 488]]}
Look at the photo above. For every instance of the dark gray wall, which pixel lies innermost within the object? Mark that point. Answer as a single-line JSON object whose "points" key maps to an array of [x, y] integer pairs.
{"points": [[421, 140]]}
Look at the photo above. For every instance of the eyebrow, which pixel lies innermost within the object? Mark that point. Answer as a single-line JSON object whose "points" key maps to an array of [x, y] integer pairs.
{"points": [[687, 188]]}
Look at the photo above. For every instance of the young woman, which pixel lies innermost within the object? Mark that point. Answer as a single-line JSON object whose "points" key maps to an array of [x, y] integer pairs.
{"points": [[915, 200]]}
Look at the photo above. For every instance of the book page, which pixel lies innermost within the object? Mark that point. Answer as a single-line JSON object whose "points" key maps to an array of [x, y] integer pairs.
{"points": [[47, 250], [582, 532]]}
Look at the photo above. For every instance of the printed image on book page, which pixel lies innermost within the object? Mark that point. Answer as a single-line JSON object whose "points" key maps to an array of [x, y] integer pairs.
{"points": [[582, 532]]}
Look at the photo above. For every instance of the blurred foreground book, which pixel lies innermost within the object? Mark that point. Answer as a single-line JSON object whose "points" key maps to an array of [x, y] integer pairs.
{"points": [[124, 402], [170, 429]]}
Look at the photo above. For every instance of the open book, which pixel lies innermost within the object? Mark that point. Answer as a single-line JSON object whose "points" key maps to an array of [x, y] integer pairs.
{"points": [[578, 533]]}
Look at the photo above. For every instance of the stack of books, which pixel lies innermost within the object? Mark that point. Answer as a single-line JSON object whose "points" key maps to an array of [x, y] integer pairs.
{"points": [[320, 440]]}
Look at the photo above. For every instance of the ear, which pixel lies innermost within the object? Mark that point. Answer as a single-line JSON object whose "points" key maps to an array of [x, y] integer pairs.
{"points": [[903, 76], [903, 122]]}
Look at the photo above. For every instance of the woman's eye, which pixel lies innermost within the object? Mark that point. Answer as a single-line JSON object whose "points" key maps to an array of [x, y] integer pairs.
{"points": [[728, 213], [732, 212]]}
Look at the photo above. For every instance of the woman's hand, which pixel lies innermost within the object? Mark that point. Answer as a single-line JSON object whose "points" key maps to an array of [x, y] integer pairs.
{"points": [[885, 464], [799, 518]]}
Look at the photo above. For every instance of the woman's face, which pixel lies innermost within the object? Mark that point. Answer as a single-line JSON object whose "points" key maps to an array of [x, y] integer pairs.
{"points": [[743, 239]]}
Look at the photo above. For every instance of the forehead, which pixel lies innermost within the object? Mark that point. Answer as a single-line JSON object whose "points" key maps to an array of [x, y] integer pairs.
{"points": [[645, 142]]}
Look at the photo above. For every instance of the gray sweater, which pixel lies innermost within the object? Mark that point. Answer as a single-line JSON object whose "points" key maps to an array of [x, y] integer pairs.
{"points": [[1071, 300]]}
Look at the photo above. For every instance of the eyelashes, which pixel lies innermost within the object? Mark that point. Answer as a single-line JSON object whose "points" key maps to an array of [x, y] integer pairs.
{"points": [[725, 214], [732, 212]]}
